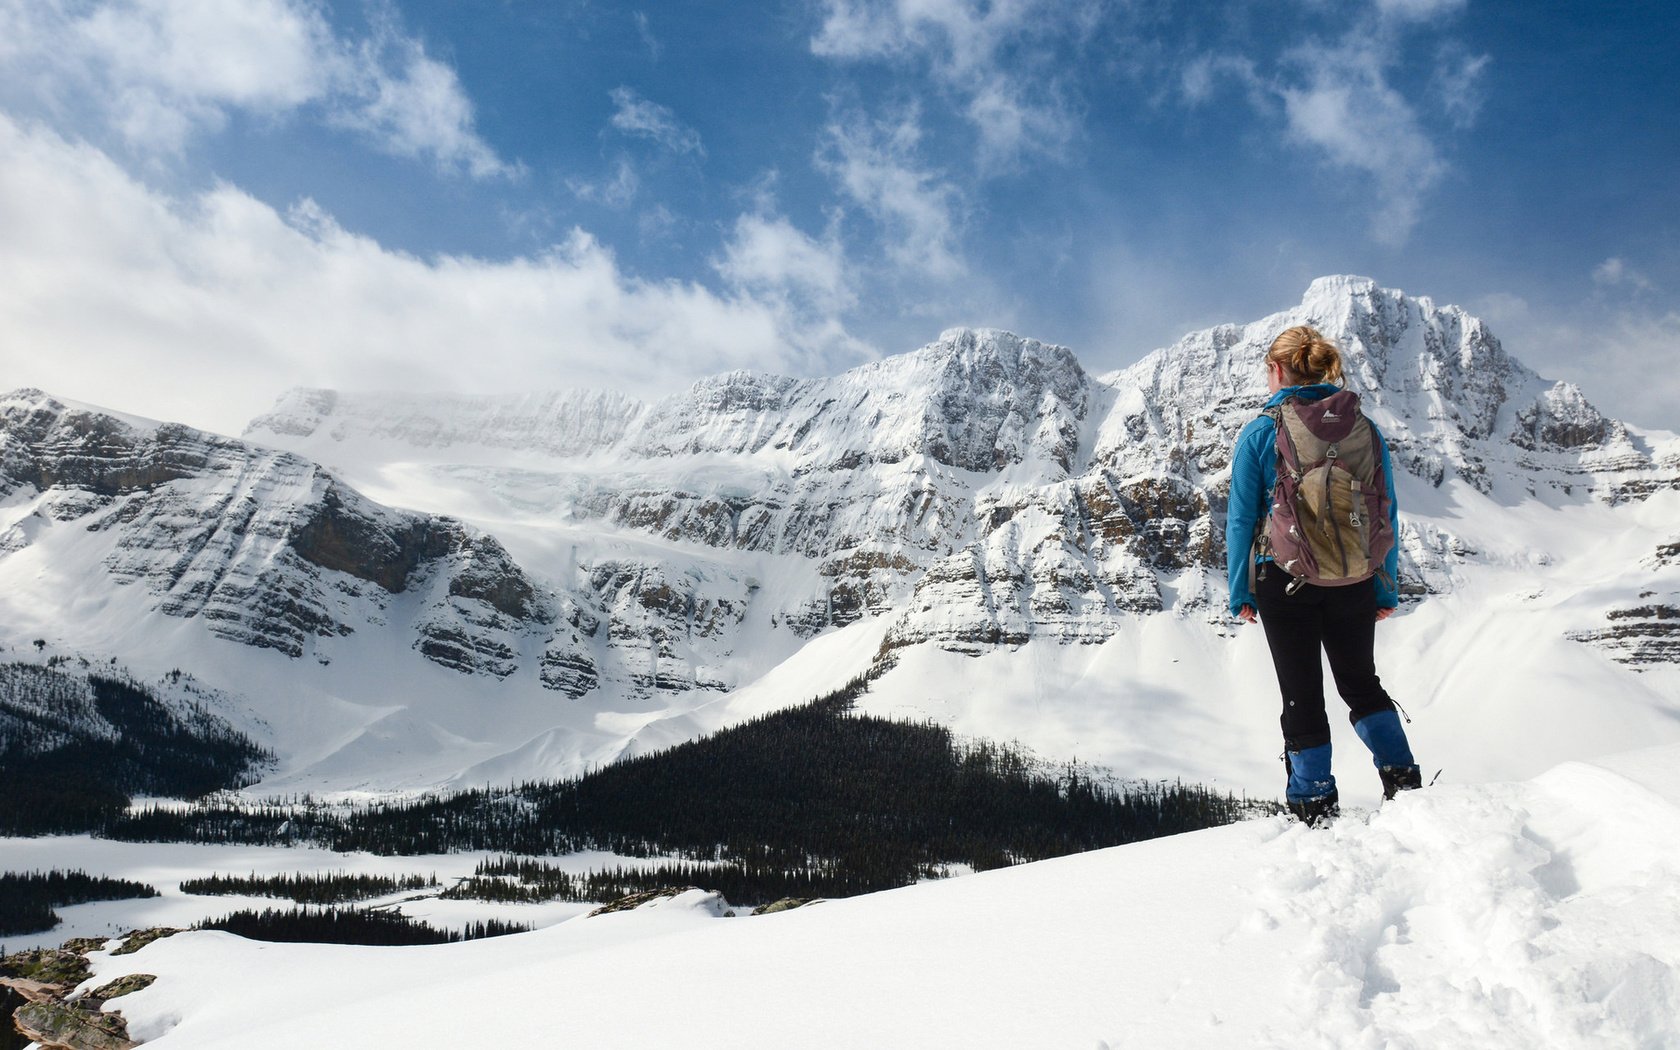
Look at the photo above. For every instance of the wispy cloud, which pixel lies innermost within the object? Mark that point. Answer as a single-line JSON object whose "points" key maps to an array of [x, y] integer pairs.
{"points": [[768, 255], [1618, 356], [995, 58], [1200, 77], [1338, 98], [411, 104], [645, 30], [201, 308], [641, 118], [161, 71], [615, 191], [1418, 10], [1458, 83], [1615, 342], [876, 166], [806, 280], [1614, 272]]}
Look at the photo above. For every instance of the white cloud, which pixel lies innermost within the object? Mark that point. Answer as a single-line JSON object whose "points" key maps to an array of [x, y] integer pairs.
{"points": [[161, 71], [875, 165], [1339, 101], [645, 31], [995, 55], [1619, 354], [1633, 362], [1458, 84], [1615, 272], [1621, 359], [1200, 77], [201, 309], [805, 281], [615, 192], [649, 120], [1419, 10], [412, 105], [657, 223], [769, 255], [1501, 309]]}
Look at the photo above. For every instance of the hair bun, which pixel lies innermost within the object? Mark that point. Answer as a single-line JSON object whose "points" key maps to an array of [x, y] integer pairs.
{"points": [[1306, 355]]}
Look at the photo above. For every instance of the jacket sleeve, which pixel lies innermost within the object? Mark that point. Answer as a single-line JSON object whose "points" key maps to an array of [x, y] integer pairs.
{"points": [[1388, 593], [1245, 506]]}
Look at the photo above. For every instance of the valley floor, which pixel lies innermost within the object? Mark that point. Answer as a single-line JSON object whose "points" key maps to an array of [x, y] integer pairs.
{"points": [[1544, 913]]}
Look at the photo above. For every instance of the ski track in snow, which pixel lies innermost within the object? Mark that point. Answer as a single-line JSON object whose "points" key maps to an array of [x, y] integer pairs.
{"points": [[1511, 916]]}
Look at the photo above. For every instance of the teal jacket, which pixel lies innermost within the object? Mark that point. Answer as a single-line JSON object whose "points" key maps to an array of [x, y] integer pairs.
{"points": [[1254, 472]]}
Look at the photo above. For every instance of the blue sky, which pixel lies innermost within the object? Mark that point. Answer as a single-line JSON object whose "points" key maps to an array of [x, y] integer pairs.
{"points": [[204, 203]]}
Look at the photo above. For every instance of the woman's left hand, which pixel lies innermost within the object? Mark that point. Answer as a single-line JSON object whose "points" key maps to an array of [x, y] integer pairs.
{"points": [[1384, 613]]}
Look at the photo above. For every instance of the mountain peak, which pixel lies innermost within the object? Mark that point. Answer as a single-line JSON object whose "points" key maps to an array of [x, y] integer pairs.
{"points": [[974, 345], [965, 336], [1340, 283]]}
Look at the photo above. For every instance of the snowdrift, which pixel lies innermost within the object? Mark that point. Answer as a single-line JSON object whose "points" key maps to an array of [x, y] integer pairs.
{"points": [[1543, 913]]}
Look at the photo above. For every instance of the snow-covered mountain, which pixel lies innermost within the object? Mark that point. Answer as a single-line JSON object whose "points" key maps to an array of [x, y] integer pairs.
{"points": [[1012, 545]]}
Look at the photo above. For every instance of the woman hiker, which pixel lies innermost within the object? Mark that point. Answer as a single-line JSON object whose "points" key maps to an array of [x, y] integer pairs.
{"points": [[1304, 604]]}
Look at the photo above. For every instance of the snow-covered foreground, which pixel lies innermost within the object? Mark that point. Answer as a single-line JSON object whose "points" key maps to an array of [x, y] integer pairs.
{"points": [[1544, 913]]}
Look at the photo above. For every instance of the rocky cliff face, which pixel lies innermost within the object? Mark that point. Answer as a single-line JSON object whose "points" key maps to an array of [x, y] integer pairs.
{"points": [[266, 548], [270, 550], [871, 475], [1145, 511], [985, 489]]}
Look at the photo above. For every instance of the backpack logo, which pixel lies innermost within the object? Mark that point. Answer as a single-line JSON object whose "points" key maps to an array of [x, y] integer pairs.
{"points": [[1329, 522]]}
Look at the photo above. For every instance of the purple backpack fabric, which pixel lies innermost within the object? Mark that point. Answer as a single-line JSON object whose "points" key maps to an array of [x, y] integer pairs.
{"points": [[1329, 520]]}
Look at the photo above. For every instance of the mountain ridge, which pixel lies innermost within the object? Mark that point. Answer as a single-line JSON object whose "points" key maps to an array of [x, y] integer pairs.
{"points": [[982, 493]]}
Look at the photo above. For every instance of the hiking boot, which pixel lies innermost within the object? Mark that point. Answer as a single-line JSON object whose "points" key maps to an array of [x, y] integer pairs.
{"points": [[1316, 812], [1396, 779]]}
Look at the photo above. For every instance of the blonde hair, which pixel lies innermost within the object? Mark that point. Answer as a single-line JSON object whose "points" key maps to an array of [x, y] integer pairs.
{"points": [[1306, 356]]}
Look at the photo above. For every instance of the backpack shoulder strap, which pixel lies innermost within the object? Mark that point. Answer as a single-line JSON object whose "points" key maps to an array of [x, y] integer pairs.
{"points": [[1288, 456], [1258, 546]]}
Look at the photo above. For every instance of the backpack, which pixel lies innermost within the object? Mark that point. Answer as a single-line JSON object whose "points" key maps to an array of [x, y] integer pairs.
{"points": [[1329, 520]]}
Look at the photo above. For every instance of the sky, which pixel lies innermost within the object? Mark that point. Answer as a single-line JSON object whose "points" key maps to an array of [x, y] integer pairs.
{"points": [[205, 203]]}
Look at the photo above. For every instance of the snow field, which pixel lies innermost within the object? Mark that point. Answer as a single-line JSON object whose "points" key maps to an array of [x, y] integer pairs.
{"points": [[166, 865], [1496, 917]]}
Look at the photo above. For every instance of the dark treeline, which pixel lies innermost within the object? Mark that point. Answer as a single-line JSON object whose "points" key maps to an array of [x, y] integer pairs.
{"points": [[27, 899], [326, 888], [522, 880], [61, 770], [349, 926], [811, 792]]}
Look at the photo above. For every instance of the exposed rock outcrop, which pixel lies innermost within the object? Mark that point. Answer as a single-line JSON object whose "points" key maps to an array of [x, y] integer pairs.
{"points": [[46, 1011], [55, 1025], [1640, 636], [701, 900]]}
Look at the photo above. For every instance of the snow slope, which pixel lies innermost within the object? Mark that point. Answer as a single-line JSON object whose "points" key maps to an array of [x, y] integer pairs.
{"points": [[1543, 913]]}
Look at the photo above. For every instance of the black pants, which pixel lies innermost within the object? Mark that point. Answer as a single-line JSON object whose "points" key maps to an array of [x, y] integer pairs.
{"points": [[1341, 621]]}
